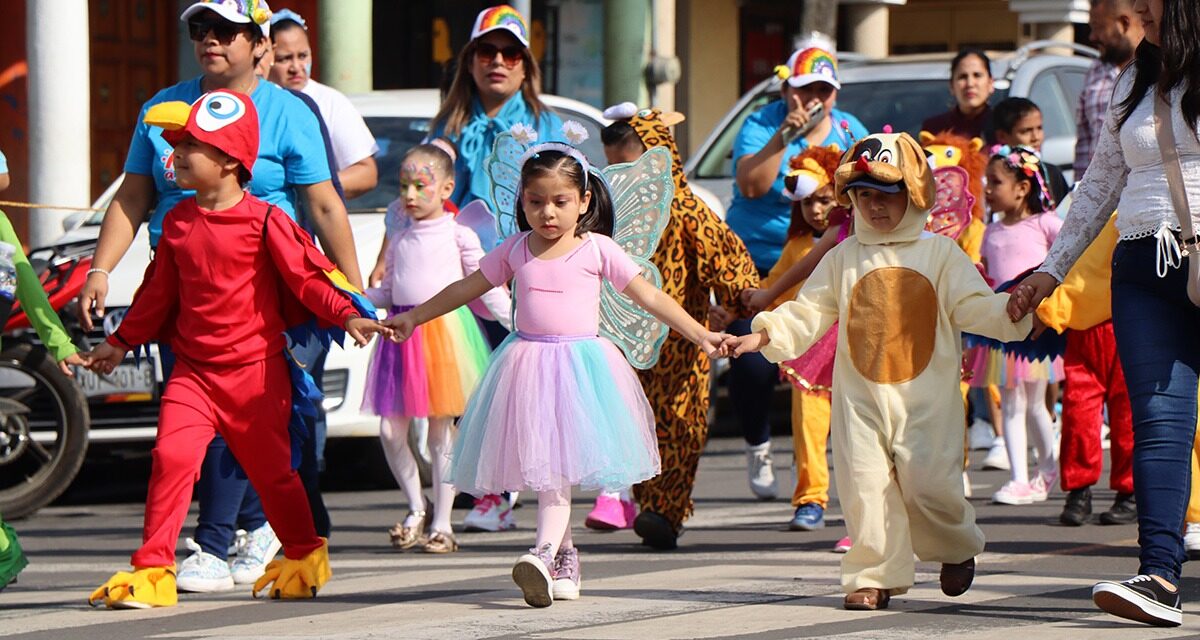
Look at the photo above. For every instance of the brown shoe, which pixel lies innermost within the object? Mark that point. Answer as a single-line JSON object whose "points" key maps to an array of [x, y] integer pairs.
{"points": [[957, 578], [868, 599]]}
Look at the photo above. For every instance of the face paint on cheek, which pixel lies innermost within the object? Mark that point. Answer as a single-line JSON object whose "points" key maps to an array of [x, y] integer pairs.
{"points": [[422, 176]]}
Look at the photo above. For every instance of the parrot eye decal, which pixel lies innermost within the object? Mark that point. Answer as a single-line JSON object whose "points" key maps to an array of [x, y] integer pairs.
{"points": [[219, 110]]}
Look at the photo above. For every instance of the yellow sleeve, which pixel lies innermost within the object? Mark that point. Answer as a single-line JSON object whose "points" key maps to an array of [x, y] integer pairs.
{"points": [[1084, 299], [974, 307], [971, 240], [793, 252], [796, 325]]}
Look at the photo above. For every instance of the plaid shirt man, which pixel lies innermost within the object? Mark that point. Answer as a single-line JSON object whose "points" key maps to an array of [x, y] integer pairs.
{"points": [[1089, 117]]}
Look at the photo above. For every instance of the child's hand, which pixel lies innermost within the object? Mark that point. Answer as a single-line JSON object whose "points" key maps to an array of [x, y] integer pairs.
{"points": [[1027, 295], [104, 358], [759, 300], [362, 328], [402, 326], [1038, 327], [736, 346], [718, 318], [81, 359], [712, 343], [747, 295]]}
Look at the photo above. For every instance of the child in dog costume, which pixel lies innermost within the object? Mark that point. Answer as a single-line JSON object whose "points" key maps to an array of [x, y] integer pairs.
{"points": [[224, 285], [902, 297], [698, 254]]}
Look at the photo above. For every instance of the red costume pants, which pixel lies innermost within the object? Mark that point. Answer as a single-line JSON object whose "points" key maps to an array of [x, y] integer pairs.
{"points": [[249, 405], [1094, 379]]}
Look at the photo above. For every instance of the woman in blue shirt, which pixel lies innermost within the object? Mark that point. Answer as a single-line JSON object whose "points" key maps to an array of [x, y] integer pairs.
{"points": [[229, 39], [760, 215]]}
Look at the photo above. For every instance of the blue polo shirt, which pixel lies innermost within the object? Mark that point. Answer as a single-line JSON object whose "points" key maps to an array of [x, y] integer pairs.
{"points": [[762, 222], [291, 151]]}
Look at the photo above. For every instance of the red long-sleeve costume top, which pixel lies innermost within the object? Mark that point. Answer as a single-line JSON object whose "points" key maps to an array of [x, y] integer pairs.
{"points": [[224, 285]]}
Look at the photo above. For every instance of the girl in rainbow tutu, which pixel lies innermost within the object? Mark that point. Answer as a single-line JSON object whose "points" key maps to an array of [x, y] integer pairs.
{"points": [[559, 405], [433, 373]]}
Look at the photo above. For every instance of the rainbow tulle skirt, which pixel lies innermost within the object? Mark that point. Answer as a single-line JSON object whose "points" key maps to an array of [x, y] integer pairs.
{"points": [[432, 373], [554, 412]]}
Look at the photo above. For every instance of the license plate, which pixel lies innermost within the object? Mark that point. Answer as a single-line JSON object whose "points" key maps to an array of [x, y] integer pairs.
{"points": [[128, 382]]}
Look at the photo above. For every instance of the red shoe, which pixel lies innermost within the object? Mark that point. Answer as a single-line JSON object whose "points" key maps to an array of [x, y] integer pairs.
{"points": [[611, 514]]}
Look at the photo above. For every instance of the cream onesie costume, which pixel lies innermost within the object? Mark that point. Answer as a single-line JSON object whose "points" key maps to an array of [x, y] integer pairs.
{"points": [[903, 299]]}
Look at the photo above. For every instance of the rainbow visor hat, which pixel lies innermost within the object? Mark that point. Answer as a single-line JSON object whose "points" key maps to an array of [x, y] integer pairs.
{"points": [[225, 119], [501, 17], [240, 11], [810, 65]]}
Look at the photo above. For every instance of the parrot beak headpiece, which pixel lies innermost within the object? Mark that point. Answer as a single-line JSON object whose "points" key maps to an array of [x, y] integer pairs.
{"points": [[225, 119]]}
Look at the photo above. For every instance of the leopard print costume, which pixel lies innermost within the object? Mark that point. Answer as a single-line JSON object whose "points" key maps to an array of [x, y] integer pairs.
{"points": [[698, 253]]}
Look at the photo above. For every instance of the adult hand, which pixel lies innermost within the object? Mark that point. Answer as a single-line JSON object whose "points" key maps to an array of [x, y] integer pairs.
{"points": [[91, 299], [798, 121], [1029, 294]]}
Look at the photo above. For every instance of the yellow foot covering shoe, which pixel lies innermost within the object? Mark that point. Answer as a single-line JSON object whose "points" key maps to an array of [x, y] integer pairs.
{"points": [[145, 588], [296, 579]]}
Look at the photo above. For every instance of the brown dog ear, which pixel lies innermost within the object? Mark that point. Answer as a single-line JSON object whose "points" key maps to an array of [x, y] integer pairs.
{"points": [[672, 118], [918, 177]]}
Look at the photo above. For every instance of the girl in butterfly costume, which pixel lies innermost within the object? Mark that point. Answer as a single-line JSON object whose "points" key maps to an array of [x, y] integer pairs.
{"points": [[558, 405], [698, 255], [902, 297], [225, 284]]}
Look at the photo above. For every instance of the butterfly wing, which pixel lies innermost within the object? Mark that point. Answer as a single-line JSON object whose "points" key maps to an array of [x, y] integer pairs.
{"points": [[505, 174], [479, 218], [641, 193], [953, 201]]}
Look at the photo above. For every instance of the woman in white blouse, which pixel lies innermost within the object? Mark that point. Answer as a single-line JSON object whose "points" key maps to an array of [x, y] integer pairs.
{"points": [[1157, 327]]}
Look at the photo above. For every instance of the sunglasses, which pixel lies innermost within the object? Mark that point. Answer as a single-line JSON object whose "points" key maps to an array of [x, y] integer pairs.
{"points": [[223, 30], [513, 54]]}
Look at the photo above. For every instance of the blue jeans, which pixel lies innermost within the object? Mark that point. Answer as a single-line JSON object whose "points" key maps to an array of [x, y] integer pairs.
{"points": [[1158, 339], [752, 380], [227, 501]]}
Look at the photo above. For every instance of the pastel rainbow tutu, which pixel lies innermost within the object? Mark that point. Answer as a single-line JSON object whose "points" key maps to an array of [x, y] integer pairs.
{"points": [[553, 412], [995, 366], [432, 373], [813, 371]]}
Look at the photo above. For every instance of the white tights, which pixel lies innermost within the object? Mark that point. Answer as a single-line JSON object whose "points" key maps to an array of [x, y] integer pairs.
{"points": [[1021, 405], [393, 432], [554, 520]]}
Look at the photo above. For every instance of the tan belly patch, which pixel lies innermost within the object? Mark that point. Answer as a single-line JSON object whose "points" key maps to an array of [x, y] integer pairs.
{"points": [[892, 325]]}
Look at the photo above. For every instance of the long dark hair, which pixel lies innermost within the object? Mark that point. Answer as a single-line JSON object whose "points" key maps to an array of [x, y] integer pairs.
{"points": [[1176, 62], [456, 108], [599, 214]]}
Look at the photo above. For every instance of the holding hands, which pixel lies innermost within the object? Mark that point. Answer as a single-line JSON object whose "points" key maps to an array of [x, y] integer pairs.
{"points": [[401, 326], [735, 346], [1028, 295], [361, 329], [104, 358]]}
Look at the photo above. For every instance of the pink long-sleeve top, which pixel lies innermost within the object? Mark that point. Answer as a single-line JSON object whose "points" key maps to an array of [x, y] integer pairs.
{"points": [[426, 256]]}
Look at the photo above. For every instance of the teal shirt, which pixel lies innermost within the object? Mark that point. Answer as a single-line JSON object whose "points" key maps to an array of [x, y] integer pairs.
{"points": [[33, 299]]}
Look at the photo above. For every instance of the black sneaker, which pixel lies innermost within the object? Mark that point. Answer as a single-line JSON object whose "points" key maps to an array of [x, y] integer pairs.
{"points": [[1123, 511], [1078, 507], [656, 531], [1140, 598]]}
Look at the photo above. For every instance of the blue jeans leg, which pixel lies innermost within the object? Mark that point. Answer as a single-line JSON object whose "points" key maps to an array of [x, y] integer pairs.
{"points": [[1156, 328], [752, 380]]}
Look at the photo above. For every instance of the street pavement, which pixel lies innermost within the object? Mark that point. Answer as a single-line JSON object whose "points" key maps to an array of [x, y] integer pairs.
{"points": [[738, 573]]}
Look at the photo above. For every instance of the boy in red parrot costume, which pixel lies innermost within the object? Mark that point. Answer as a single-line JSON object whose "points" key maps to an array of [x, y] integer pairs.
{"points": [[231, 275]]}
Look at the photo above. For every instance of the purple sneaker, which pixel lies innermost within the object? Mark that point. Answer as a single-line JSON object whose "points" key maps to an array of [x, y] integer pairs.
{"points": [[566, 574], [532, 574]]}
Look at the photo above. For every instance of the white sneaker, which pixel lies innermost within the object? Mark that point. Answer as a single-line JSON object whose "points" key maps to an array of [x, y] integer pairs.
{"points": [[1191, 538], [762, 475], [491, 513], [202, 572], [997, 456], [257, 549], [981, 435]]}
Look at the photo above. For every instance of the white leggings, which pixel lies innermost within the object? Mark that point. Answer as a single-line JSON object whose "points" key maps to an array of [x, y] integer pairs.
{"points": [[393, 432], [1025, 404]]}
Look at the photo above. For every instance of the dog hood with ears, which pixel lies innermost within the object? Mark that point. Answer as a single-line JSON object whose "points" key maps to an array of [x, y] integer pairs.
{"points": [[889, 158]]}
